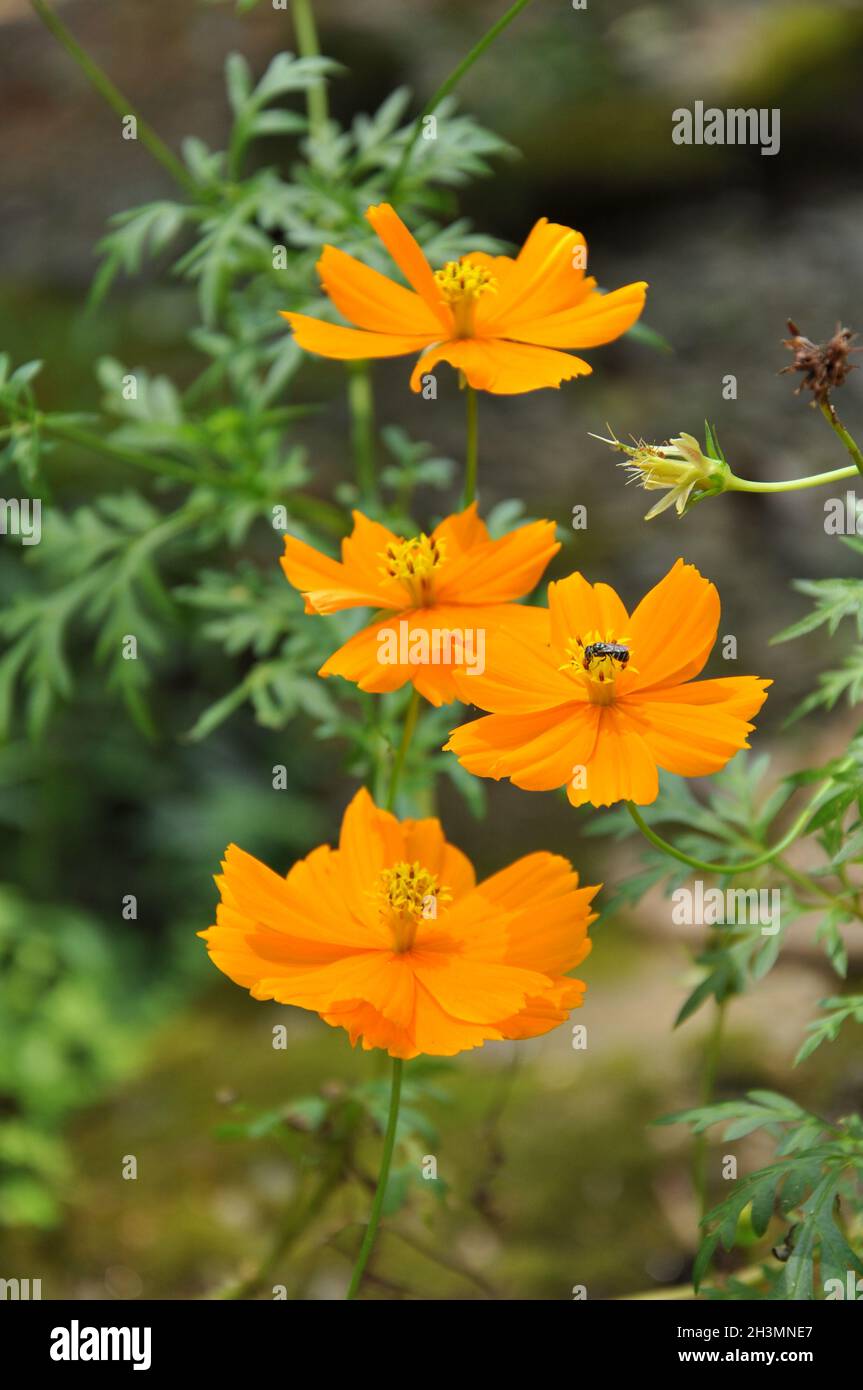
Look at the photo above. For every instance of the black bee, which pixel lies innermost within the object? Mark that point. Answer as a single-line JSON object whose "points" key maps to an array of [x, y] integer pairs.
{"points": [[612, 649]]}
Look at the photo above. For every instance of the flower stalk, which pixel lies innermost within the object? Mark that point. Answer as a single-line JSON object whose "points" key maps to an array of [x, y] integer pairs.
{"points": [[410, 724], [688, 473], [829, 413], [787, 839], [709, 1073], [472, 451], [120, 104], [835, 475], [317, 105], [361, 404], [451, 82], [383, 1177]]}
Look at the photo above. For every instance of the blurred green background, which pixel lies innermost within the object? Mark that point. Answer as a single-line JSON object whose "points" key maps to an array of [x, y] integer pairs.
{"points": [[119, 1038]]}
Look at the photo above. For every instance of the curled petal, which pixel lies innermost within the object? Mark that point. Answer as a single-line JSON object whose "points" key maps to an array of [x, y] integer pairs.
{"points": [[500, 367]]}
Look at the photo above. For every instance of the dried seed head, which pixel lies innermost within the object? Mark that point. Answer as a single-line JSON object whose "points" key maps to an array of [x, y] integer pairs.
{"points": [[824, 365]]}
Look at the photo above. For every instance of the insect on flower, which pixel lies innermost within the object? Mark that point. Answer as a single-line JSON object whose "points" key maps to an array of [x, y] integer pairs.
{"points": [[606, 649], [573, 693]]}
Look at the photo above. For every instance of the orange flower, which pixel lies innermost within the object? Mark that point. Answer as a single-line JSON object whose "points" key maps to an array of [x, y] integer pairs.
{"points": [[596, 699], [499, 321], [449, 589], [390, 937]]}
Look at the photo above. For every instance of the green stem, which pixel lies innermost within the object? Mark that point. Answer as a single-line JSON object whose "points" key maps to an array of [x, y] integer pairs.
{"points": [[836, 424], [361, 403], [806, 882], [796, 829], [472, 454], [383, 1176], [115, 98], [308, 46], [314, 509], [450, 83], [836, 475], [163, 467], [407, 735], [710, 1068]]}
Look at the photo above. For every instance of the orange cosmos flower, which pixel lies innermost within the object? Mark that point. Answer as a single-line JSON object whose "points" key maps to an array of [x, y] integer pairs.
{"points": [[596, 699], [499, 321], [390, 937], [443, 593]]}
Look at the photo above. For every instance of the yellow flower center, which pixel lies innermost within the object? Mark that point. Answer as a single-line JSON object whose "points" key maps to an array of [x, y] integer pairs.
{"points": [[461, 284], [597, 661], [414, 562], [406, 894]]}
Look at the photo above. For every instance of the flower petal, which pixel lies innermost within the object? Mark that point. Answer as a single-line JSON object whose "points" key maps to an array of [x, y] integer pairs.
{"points": [[695, 729], [673, 629], [355, 581], [380, 978], [598, 319], [438, 1034], [267, 925], [535, 751], [319, 940], [410, 259], [499, 266], [350, 344], [547, 276], [546, 1011], [476, 991], [498, 571], [370, 839], [522, 674], [461, 531], [371, 300], [435, 632], [500, 367], [621, 768], [578, 608], [362, 1021], [358, 660], [424, 841], [547, 930]]}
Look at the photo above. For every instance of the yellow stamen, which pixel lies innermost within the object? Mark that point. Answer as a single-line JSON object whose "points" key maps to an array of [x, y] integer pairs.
{"points": [[414, 562], [408, 893], [461, 284], [597, 671]]}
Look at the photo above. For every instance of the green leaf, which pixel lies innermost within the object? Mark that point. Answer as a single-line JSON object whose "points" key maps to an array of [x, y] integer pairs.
{"points": [[703, 1259], [643, 333], [238, 79]]}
